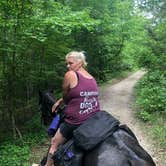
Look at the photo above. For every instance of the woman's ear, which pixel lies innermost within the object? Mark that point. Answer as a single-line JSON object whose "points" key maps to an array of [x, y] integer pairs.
{"points": [[80, 64]]}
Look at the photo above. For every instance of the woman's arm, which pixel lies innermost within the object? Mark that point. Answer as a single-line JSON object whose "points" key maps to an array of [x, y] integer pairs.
{"points": [[69, 81], [56, 104], [66, 83]]}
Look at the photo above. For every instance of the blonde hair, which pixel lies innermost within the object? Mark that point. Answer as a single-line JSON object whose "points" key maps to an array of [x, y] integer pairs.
{"points": [[78, 56]]}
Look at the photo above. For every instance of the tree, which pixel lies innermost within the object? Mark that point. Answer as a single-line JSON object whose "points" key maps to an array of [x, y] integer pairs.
{"points": [[35, 35]]}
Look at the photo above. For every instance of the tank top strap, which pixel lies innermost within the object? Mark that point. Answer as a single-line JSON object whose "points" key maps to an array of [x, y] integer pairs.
{"points": [[78, 76]]}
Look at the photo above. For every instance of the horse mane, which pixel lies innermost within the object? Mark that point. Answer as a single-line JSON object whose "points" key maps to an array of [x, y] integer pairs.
{"points": [[46, 101], [49, 98]]}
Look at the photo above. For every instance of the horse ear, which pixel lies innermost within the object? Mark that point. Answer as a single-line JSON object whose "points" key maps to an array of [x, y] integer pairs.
{"points": [[50, 90], [40, 93]]}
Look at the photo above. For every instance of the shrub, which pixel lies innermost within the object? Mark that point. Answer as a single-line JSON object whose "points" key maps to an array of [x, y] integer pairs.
{"points": [[14, 155], [151, 92], [145, 116]]}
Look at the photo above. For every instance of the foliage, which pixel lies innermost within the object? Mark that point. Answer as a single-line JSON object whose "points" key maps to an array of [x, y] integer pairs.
{"points": [[155, 126], [14, 154], [17, 152], [157, 129], [143, 115], [105, 46], [151, 93], [150, 101], [155, 59], [160, 132], [35, 35]]}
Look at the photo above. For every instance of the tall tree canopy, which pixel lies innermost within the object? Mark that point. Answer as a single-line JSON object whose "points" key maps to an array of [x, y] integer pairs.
{"points": [[36, 35], [152, 92]]}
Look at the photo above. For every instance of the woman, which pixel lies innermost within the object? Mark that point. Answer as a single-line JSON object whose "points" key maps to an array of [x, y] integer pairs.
{"points": [[80, 94]]}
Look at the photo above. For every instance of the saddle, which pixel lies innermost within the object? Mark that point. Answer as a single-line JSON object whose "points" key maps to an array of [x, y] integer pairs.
{"points": [[86, 137]]}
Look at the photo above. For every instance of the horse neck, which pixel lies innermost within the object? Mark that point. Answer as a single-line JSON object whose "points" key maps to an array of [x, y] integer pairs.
{"points": [[50, 99]]}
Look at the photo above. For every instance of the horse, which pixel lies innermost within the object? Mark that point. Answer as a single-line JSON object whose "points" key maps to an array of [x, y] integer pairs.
{"points": [[120, 148]]}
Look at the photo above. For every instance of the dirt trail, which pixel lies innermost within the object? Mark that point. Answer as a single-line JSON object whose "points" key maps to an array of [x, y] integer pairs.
{"points": [[117, 100]]}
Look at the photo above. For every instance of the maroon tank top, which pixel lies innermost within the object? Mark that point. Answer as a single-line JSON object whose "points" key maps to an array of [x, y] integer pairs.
{"points": [[82, 100]]}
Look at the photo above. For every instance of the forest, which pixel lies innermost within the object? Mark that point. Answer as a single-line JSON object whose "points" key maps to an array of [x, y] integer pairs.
{"points": [[35, 35]]}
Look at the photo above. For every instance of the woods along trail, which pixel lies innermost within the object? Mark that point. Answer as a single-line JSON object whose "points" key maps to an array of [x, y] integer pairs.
{"points": [[117, 100]]}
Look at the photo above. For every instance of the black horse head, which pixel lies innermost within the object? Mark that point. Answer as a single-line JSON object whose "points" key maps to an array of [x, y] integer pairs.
{"points": [[46, 101]]}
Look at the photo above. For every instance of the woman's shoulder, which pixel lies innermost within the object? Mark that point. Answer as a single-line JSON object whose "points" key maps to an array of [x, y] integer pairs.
{"points": [[71, 78], [86, 75], [70, 74]]}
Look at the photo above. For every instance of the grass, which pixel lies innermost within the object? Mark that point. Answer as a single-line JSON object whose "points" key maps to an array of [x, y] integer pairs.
{"points": [[158, 129]]}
